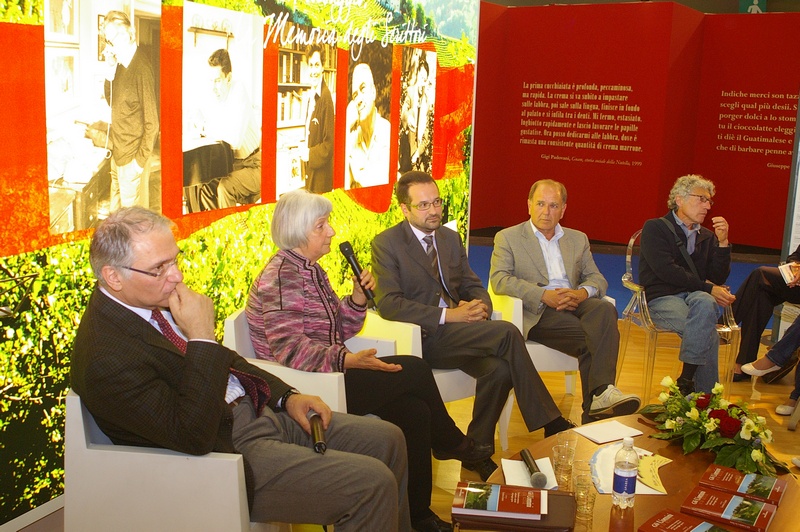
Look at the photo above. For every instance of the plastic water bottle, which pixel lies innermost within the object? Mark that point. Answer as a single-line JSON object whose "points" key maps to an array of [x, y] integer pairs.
{"points": [[626, 467]]}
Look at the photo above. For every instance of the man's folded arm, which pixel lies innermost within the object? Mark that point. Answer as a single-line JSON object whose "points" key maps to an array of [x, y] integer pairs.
{"points": [[134, 405]]}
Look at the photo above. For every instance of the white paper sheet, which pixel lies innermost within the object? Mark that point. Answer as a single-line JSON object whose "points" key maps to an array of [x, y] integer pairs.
{"points": [[605, 432], [517, 474]]}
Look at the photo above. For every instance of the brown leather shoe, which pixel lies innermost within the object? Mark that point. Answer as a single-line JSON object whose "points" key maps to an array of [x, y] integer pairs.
{"points": [[484, 468]]}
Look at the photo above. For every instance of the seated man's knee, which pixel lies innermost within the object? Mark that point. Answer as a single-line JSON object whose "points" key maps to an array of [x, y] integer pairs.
{"points": [[489, 367], [703, 304]]}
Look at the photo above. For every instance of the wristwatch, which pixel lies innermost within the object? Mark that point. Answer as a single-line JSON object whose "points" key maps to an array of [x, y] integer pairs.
{"points": [[285, 397]]}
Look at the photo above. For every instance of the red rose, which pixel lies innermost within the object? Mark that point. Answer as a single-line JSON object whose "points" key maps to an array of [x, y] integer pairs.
{"points": [[729, 426], [718, 414], [703, 401]]}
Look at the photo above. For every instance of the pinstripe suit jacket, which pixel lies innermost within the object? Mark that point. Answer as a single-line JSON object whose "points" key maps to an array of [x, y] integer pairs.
{"points": [[406, 286], [143, 391]]}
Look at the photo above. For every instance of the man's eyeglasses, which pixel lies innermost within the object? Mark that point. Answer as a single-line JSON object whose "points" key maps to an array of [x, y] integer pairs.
{"points": [[703, 199], [425, 205], [161, 270]]}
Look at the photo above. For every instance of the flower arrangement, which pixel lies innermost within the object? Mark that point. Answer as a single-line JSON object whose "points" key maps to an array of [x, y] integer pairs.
{"points": [[707, 421]]}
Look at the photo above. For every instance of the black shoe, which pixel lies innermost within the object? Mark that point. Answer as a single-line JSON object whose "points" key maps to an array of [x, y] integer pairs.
{"points": [[775, 376], [484, 468], [685, 386], [741, 377], [558, 425], [432, 524], [473, 453]]}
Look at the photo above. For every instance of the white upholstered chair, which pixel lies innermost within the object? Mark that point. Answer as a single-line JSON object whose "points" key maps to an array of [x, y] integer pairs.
{"points": [[637, 312], [544, 358], [117, 487], [453, 384], [329, 386]]}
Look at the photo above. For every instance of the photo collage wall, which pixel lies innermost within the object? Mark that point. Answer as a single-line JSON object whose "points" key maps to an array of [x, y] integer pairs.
{"points": [[318, 95]]}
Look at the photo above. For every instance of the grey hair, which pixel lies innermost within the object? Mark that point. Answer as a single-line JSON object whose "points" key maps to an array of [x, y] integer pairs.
{"points": [[684, 185], [295, 215], [112, 243]]}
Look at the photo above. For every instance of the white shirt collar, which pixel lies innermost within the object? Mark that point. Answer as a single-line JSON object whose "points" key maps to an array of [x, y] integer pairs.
{"points": [[421, 234], [559, 232]]}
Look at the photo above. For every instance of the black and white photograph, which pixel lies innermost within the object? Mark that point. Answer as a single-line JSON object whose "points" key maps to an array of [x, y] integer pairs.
{"points": [[306, 117], [222, 113], [367, 117], [102, 62], [417, 103]]}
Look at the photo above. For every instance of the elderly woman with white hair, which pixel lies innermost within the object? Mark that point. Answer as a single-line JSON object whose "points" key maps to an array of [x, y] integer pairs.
{"points": [[297, 319]]}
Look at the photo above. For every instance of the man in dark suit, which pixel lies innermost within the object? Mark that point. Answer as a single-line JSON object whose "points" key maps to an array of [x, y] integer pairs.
{"points": [[148, 368], [318, 152], [552, 270], [438, 290]]}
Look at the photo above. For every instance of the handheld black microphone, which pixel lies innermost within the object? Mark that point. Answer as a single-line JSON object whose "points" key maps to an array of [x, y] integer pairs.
{"points": [[347, 251], [317, 432], [538, 479]]}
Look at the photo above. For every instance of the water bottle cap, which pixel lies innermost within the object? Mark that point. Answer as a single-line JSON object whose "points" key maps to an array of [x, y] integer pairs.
{"points": [[627, 440]]}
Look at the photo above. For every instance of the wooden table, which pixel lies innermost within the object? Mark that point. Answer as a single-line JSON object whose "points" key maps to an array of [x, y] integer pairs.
{"points": [[678, 477]]}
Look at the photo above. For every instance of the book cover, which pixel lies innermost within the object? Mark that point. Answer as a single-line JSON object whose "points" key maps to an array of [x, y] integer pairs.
{"points": [[497, 500], [749, 514], [788, 270], [752, 486], [672, 521]]}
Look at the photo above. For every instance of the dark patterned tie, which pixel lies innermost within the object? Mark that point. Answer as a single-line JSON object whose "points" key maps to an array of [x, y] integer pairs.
{"points": [[434, 257], [257, 388], [168, 331]]}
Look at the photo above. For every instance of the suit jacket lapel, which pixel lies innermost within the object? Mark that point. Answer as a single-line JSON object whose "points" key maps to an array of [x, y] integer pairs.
{"points": [[443, 249], [417, 252], [137, 327], [534, 250], [567, 255]]}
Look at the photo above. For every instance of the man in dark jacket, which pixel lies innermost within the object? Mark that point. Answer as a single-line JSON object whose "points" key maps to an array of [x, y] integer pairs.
{"points": [[682, 267]]}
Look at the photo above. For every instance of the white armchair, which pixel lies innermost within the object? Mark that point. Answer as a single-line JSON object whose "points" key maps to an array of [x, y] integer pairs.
{"points": [[544, 358], [453, 384], [117, 487], [329, 386]]}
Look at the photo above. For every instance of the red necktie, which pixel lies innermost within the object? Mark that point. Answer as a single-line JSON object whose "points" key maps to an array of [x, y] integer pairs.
{"points": [[257, 388], [168, 331]]}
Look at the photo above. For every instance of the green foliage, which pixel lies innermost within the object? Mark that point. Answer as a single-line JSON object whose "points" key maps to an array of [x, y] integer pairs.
{"points": [[34, 356], [22, 11], [709, 422], [222, 260]]}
